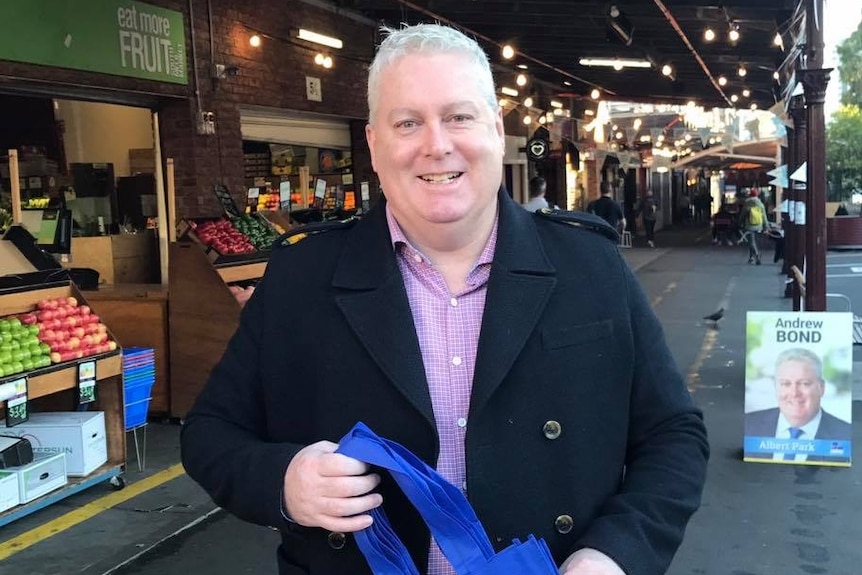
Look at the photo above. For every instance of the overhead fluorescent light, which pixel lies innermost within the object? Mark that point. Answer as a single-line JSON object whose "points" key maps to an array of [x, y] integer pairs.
{"points": [[509, 91], [556, 104], [319, 39], [615, 63]]}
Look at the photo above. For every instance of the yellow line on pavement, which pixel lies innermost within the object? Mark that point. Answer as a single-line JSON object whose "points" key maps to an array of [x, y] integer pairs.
{"points": [[60, 524]]}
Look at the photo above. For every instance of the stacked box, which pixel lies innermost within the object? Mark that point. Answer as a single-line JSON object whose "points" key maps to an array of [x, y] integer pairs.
{"points": [[80, 435]]}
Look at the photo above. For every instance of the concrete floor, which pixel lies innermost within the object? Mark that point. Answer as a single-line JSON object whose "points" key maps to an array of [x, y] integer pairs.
{"points": [[756, 519]]}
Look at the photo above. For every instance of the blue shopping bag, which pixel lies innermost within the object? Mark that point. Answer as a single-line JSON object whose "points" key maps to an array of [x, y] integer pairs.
{"points": [[446, 511]]}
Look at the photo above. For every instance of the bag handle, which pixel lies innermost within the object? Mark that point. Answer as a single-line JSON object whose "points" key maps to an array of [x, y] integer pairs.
{"points": [[445, 510]]}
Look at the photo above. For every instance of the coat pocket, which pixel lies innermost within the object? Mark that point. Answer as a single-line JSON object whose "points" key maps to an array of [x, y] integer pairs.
{"points": [[559, 337]]}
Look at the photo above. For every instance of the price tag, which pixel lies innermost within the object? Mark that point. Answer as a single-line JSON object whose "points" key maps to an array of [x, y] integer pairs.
{"points": [[319, 188], [86, 382], [284, 194], [16, 407], [253, 193]]}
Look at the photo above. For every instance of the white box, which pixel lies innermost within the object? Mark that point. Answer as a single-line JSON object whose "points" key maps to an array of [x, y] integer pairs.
{"points": [[8, 490], [45, 474], [78, 434]]}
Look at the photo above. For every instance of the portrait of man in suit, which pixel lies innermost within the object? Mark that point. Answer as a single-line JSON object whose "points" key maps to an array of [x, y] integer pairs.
{"points": [[799, 389]]}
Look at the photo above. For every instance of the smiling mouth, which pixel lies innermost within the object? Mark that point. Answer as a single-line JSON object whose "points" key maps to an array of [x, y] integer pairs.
{"points": [[441, 178]]}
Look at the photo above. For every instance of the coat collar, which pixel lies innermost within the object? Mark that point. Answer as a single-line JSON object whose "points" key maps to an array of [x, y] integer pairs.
{"points": [[374, 301]]}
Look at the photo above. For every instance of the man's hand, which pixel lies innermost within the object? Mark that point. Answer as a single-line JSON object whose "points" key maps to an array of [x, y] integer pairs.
{"points": [[590, 562], [329, 490]]}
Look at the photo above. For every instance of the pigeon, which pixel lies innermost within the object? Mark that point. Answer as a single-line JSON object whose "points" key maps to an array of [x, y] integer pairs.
{"points": [[715, 316]]}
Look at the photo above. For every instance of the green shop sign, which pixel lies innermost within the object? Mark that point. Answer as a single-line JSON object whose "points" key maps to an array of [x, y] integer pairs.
{"points": [[117, 37]]}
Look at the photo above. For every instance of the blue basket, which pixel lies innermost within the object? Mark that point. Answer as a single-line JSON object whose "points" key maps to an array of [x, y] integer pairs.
{"points": [[138, 390], [136, 413]]}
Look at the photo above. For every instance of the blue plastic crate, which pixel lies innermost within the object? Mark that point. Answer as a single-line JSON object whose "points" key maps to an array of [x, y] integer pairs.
{"points": [[136, 413]]}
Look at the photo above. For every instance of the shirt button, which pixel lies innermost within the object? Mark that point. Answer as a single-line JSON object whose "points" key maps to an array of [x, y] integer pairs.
{"points": [[456, 360], [464, 487], [462, 422], [453, 302]]}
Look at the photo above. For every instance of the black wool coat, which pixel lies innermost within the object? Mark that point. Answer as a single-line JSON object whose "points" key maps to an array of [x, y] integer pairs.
{"points": [[580, 430]]}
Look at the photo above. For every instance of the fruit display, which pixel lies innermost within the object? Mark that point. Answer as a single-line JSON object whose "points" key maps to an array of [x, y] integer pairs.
{"points": [[57, 330], [271, 200], [20, 347], [243, 235], [259, 233]]}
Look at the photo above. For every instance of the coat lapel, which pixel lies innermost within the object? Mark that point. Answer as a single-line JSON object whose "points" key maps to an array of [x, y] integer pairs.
{"points": [[374, 301], [521, 282]]}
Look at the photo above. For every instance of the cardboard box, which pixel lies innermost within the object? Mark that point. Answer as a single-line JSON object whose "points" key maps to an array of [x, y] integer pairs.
{"points": [[45, 474], [8, 490], [78, 434]]}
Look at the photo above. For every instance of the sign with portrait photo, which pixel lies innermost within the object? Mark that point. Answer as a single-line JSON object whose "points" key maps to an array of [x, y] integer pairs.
{"points": [[798, 388]]}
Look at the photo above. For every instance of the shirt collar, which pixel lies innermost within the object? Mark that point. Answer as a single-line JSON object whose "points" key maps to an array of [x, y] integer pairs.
{"points": [[809, 429], [400, 239]]}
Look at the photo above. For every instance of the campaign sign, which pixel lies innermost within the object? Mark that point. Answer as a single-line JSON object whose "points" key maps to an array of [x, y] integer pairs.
{"points": [[798, 388]]}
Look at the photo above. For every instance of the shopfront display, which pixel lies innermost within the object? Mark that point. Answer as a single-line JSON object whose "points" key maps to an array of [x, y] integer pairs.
{"points": [[52, 345]]}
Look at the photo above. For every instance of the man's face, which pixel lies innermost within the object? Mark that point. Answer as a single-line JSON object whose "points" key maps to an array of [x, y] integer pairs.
{"points": [[799, 391], [436, 144]]}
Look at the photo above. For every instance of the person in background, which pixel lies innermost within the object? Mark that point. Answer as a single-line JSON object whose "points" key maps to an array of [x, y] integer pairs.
{"points": [[537, 188], [606, 462], [649, 211], [799, 389], [722, 226], [842, 210], [753, 222], [606, 208]]}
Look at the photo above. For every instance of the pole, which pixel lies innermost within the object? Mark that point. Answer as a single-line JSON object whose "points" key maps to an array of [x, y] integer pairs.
{"points": [[798, 191], [814, 80]]}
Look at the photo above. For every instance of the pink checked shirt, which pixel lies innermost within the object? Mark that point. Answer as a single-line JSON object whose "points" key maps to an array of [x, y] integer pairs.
{"points": [[447, 326]]}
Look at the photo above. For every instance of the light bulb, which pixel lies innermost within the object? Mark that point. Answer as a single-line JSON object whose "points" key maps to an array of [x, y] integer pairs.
{"points": [[318, 59], [733, 35], [521, 80], [777, 41], [595, 94], [527, 120], [528, 102], [775, 75], [734, 98], [254, 40], [709, 34], [327, 62], [722, 81], [667, 70], [741, 71], [746, 93], [508, 52]]}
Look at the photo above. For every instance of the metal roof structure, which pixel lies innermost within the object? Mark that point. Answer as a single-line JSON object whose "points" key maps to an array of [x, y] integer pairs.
{"points": [[552, 38]]}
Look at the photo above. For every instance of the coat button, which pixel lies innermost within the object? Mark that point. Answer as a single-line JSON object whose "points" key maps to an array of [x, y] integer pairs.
{"points": [[552, 429], [564, 524], [336, 540]]}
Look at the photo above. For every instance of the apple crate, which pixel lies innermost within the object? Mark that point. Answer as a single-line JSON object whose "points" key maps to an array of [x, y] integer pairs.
{"points": [[188, 230], [68, 331]]}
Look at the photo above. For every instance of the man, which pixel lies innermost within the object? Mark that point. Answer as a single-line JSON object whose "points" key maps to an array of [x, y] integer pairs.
{"points": [[537, 188], [799, 388], [649, 211], [448, 319], [606, 208], [753, 221]]}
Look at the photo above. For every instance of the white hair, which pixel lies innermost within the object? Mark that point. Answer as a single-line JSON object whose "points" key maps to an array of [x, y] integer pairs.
{"points": [[427, 39]]}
